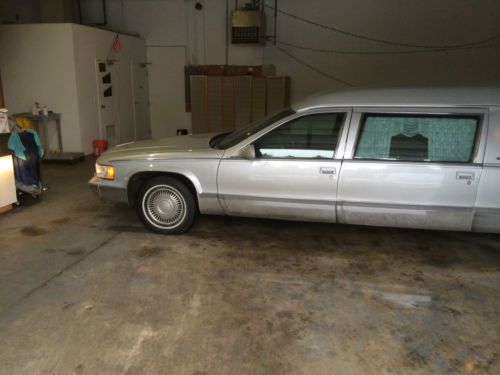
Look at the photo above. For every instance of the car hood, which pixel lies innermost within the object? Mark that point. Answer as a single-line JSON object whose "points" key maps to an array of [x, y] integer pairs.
{"points": [[181, 146]]}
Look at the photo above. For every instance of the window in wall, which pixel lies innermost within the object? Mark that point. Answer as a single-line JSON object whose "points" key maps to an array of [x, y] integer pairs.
{"points": [[106, 78], [313, 136], [108, 92], [435, 138], [102, 67]]}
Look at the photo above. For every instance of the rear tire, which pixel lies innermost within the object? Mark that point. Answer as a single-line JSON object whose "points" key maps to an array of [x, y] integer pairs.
{"points": [[165, 205]]}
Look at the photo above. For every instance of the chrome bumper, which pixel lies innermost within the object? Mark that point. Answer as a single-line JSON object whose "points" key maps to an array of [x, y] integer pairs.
{"points": [[108, 192]]}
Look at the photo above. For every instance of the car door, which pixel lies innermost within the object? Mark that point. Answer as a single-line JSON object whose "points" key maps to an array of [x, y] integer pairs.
{"points": [[417, 168], [294, 172]]}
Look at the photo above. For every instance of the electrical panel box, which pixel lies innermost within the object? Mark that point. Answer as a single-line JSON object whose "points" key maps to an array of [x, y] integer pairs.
{"points": [[248, 27]]}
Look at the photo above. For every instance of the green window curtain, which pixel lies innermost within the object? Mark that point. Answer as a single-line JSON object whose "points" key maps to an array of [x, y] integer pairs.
{"points": [[449, 138]]}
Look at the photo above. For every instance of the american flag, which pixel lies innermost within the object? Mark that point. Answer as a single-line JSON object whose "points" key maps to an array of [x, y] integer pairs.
{"points": [[117, 45]]}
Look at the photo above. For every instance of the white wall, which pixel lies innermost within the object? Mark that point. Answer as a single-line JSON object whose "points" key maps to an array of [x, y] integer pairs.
{"points": [[173, 25], [55, 64], [431, 22], [91, 44], [176, 35], [37, 64], [162, 24], [166, 91]]}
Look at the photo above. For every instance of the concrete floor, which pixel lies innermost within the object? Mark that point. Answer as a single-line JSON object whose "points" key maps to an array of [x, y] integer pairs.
{"points": [[84, 289]]}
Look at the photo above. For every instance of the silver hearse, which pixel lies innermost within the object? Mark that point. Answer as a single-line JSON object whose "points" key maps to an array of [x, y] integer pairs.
{"points": [[416, 158]]}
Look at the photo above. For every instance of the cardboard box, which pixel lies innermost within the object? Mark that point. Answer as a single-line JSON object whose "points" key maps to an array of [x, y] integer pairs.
{"points": [[278, 94]]}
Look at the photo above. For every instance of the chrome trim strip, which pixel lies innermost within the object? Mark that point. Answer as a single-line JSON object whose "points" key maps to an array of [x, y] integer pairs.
{"points": [[422, 163], [399, 206], [437, 109], [208, 195], [238, 158], [283, 200], [389, 106], [487, 210], [344, 204], [162, 159]]}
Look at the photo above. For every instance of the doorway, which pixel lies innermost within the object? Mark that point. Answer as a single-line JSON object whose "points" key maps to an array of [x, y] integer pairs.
{"points": [[107, 102], [140, 93]]}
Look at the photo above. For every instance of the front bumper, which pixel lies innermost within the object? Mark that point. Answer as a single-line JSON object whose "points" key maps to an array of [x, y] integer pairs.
{"points": [[108, 192]]}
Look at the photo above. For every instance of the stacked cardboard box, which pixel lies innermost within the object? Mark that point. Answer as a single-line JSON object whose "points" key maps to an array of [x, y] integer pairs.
{"points": [[226, 103]]}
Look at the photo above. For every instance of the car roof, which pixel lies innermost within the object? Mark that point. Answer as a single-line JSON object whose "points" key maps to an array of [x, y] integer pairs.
{"points": [[404, 97]]}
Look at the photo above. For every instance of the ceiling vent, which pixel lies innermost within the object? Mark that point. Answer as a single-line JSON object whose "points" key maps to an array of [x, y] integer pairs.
{"points": [[248, 27]]}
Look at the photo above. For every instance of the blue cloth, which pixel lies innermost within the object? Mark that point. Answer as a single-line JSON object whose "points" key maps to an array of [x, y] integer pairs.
{"points": [[16, 145], [26, 170]]}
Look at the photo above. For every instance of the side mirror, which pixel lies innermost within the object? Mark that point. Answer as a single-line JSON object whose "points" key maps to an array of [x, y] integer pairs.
{"points": [[248, 152]]}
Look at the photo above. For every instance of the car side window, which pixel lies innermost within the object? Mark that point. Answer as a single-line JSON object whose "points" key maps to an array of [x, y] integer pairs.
{"points": [[425, 138], [310, 137]]}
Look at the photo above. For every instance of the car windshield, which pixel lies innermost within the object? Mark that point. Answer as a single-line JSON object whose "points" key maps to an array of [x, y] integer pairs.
{"points": [[237, 136]]}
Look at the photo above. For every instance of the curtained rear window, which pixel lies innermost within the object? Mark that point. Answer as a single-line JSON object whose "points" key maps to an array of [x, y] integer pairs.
{"points": [[432, 138]]}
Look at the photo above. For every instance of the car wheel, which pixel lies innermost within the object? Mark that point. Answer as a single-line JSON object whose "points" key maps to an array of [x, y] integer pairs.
{"points": [[166, 205]]}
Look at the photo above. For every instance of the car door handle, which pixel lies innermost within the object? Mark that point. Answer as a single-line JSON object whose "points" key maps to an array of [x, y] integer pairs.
{"points": [[465, 176], [328, 170]]}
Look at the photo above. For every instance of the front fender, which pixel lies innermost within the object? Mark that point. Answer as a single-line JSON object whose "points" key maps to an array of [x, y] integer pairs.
{"points": [[202, 173]]}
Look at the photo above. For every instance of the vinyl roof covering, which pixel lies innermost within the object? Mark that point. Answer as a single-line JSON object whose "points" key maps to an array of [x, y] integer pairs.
{"points": [[405, 97]]}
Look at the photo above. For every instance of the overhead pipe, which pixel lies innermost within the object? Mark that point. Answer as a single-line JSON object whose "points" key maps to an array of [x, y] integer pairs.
{"points": [[227, 30], [275, 19]]}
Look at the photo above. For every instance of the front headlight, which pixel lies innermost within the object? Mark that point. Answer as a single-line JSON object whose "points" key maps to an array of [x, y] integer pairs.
{"points": [[105, 171]]}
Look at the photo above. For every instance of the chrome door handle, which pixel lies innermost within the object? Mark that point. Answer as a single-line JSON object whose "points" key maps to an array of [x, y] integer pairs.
{"points": [[465, 176], [328, 170]]}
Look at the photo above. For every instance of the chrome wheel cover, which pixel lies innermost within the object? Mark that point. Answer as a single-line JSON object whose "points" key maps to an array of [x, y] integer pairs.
{"points": [[164, 206]]}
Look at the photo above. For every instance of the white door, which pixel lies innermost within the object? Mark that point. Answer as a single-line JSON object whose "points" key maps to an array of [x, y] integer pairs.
{"points": [[140, 94], [412, 168], [294, 174], [107, 102]]}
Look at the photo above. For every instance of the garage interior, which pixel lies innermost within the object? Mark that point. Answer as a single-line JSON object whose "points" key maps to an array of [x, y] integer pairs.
{"points": [[86, 289]]}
